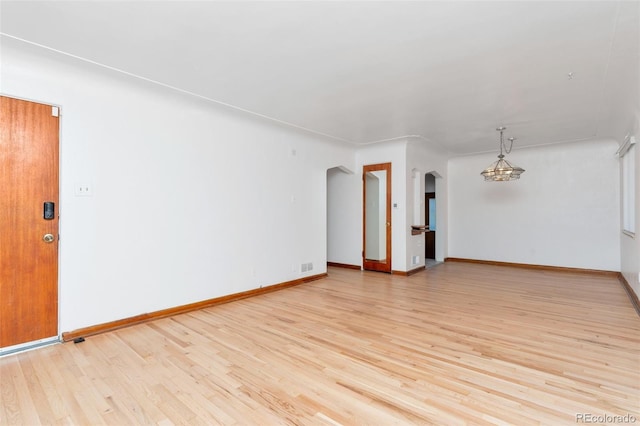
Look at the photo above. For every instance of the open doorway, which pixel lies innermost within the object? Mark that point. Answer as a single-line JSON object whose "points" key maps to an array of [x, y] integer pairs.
{"points": [[430, 217], [343, 218]]}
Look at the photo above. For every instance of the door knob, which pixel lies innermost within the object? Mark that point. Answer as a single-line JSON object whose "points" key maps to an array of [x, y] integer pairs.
{"points": [[48, 238]]}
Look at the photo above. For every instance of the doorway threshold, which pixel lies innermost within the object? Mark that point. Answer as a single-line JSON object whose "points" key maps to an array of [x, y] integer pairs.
{"points": [[24, 347], [430, 263]]}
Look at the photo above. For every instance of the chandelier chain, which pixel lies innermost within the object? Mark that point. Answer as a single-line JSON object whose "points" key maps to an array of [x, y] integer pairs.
{"points": [[503, 146], [508, 151]]}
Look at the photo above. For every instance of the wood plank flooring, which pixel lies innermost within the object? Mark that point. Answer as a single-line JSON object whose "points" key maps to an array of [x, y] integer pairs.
{"points": [[455, 344]]}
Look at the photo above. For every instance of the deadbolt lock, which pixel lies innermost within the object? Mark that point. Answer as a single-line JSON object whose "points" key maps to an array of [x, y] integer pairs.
{"points": [[48, 238]]}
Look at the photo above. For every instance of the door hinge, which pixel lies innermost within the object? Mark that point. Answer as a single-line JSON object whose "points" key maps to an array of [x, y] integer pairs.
{"points": [[55, 111]]}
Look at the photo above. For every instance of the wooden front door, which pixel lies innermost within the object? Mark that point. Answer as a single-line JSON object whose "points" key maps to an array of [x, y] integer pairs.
{"points": [[28, 240]]}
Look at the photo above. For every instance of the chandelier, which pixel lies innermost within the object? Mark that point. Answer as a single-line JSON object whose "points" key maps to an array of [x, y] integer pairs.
{"points": [[502, 170]]}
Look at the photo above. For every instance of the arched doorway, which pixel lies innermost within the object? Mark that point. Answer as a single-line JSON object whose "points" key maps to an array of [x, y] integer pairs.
{"points": [[430, 217]]}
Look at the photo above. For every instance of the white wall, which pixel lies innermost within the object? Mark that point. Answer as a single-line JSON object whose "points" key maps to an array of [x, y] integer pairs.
{"points": [[191, 200], [564, 210], [425, 157], [623, 85], [628, 114], [630, 245]]}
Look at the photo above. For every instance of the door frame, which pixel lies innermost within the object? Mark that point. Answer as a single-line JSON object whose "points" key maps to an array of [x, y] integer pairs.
{"points": [[369, 264]]}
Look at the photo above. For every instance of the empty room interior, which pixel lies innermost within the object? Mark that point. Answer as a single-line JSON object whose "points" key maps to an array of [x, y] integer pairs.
{"points": [[319, 213]]}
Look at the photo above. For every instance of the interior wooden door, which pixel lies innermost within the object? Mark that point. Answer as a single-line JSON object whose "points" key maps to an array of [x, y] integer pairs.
{"points": [[376, 252], [28, 238]]}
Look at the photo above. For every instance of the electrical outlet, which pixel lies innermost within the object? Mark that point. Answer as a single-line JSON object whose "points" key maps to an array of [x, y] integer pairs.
{"points": [[310, 266], [303, 267], [83, 190]]}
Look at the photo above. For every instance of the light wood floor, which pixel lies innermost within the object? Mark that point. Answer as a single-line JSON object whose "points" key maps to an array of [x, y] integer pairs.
{"points": [[455, 344]]}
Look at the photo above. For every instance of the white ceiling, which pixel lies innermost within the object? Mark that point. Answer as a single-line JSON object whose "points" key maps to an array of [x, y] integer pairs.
{"points": [[361, 72]]}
